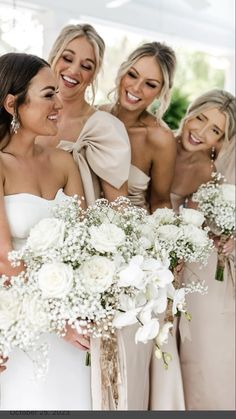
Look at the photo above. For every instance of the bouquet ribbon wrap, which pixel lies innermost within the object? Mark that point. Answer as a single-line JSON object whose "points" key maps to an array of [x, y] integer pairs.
{"points": [[108, 373]]}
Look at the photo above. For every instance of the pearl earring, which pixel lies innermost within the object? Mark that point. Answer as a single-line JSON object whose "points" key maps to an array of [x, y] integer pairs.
{"points": [[212, 156]]}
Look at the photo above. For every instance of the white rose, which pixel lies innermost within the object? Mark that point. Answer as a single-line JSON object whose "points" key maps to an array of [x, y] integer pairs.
{"points": [[228, 192], [9, 308], [48, 233], [194, 235], [163, 216], [55, 280], [107, 237], [97, 274], [192, 216], [168, 232], [34, 311]]}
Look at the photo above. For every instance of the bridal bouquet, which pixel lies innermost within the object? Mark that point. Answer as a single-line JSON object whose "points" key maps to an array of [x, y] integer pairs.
{"points": [[74, 261], [216, 199], [182, 237], [151, 280]]}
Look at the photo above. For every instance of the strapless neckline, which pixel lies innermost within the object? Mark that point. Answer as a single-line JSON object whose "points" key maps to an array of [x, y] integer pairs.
{"points": [[33, 196]]}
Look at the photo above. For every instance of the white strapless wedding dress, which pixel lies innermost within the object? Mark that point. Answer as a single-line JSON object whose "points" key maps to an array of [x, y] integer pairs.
{"points": [[67, 384]]}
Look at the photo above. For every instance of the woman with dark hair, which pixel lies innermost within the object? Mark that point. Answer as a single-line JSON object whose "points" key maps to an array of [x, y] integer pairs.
{"points": [[32, 180]]}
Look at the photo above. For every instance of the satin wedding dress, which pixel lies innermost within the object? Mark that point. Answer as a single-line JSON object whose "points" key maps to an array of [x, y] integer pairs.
{"points": [[67, 383]]}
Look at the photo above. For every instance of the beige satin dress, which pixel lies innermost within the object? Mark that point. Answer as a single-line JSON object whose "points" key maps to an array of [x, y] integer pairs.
{"points": [[138, 183], [102, 151], [208, 359], [152, 387], [166, 386]]}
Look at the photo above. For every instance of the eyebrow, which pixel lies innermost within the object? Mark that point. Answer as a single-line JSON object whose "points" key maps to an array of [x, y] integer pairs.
{"points": [[73, 52], [214, 125], [156, 80]]}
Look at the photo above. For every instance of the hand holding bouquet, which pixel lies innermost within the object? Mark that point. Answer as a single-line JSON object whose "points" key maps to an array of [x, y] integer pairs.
{"points": [[216, 199]]}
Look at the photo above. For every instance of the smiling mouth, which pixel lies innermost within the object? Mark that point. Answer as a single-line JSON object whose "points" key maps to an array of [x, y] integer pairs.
{"points": [[53, 117], [193, 140], [132, 98], [69, 80]]}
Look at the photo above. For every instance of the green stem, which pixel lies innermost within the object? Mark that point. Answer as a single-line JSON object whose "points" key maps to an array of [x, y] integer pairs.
{"points": [[88, 359], [219, 276]]}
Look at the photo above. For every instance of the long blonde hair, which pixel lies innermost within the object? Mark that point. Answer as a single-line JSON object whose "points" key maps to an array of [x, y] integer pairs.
{"points": [[165, 57], [70, 32]]}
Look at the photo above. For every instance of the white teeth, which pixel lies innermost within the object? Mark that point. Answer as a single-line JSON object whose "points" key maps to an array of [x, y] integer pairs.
{"points": [[195, 140], [66, 78], [52, 117], [132, 97]]}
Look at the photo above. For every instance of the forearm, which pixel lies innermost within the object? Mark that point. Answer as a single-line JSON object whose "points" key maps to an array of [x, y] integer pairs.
{"points": [[156, 203], [7, 269]]}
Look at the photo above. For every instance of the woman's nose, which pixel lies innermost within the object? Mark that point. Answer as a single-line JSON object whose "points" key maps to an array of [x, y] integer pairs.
{"points": [[58, 103]]}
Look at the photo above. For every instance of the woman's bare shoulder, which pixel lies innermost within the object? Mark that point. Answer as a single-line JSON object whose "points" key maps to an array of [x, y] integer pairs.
{"points": [[160, 136]]}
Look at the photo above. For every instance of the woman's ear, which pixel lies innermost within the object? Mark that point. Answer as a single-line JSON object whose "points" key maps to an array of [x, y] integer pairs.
{"points": [[9, 103]]}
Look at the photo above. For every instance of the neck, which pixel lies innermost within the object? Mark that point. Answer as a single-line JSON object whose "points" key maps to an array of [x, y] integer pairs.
{"points": [[21, 145], [129, 118], [75, 107]]}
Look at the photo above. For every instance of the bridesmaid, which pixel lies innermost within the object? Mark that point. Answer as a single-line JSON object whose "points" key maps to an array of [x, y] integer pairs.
{"points": [[207, 359], [100, 147], [146, 75], [97, 141], [28, 106]]}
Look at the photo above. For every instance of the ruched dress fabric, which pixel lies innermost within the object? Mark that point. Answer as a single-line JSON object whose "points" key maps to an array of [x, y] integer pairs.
{"points": [[138, 183], [67, 385]]}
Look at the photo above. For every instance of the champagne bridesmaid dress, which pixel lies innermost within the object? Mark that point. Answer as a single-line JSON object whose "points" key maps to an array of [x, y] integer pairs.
{"points": [[208, 359]]}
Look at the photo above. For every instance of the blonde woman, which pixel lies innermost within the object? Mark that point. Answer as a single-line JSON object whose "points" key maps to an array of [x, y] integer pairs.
{"points": [[100, 147], [97, 141], [147, 75], [208, 376]]}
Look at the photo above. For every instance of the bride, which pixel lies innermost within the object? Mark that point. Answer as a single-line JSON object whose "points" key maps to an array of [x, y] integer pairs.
{"points": [[32, 180]]}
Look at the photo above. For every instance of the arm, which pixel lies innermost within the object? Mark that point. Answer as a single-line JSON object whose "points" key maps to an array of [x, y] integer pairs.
{"points": [[73, 183], [163, 148], [5, 237], [111, 193]]}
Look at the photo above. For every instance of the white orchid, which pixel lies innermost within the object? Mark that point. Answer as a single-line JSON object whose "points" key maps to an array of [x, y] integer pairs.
{"points": [[163, 334], [148, 331]]}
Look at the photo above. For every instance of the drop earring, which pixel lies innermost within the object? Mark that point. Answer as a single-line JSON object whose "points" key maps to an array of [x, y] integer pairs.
{"points": [[212, 156], [15, 124]]}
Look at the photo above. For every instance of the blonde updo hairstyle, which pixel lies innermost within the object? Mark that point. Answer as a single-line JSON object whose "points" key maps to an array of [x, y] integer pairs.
{"points": [[70, 32], [165, 57], [216, 98]]}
